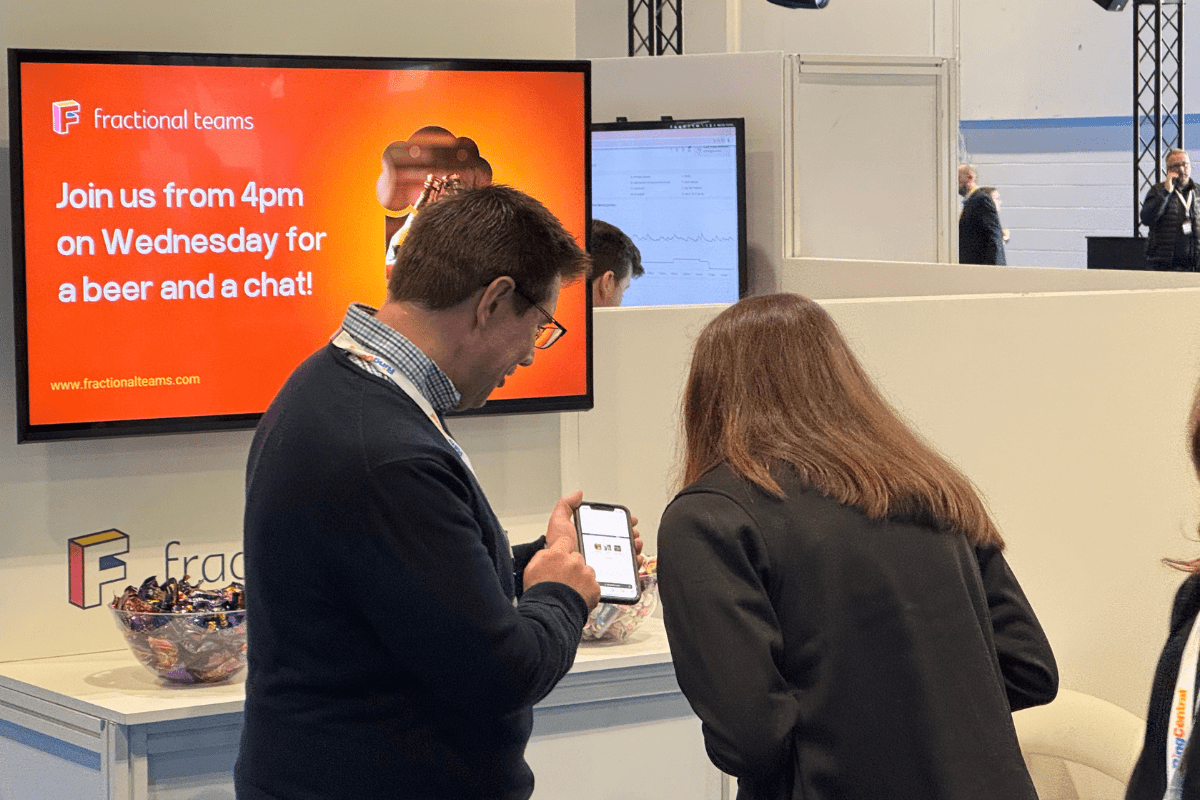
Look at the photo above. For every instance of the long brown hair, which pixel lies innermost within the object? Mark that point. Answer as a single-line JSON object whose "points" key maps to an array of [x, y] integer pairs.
{"points": [[1194, 440], [773, 383]]}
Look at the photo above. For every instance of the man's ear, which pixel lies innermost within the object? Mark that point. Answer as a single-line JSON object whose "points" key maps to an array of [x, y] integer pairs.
{"points": [[495, 294], [603, 288]]}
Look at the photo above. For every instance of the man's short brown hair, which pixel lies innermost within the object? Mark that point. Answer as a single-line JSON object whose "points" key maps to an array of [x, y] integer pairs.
{"points": [[613, 250], [462, 243]]}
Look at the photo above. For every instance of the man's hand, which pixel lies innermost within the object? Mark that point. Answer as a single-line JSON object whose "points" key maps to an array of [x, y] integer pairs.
{"points": [[562, 520], [560, 561], [1169, 183]]}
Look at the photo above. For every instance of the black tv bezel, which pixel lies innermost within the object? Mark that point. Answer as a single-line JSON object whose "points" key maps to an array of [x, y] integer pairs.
{"points": [[28, 432], [668, 123]]}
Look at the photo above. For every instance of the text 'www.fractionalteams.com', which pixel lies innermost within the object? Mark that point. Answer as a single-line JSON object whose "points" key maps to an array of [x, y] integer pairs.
{"points": [[136, 382]]}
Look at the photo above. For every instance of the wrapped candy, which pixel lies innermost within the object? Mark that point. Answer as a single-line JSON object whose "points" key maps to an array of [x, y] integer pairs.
{"points": [[610, 622], [182, 633]]}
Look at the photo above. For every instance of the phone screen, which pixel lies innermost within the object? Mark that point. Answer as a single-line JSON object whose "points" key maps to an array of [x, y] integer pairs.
{"points": [[606, 542]]}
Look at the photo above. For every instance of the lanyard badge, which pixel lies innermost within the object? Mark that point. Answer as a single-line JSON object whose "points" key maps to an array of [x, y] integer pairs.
{"points": [[1183, 713], [344, 341]]}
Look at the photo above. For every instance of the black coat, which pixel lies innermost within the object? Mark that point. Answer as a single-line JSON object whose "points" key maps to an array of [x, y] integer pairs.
{"points": [[830, 656], [1149, 779], [1164, 215], [980, 237]]}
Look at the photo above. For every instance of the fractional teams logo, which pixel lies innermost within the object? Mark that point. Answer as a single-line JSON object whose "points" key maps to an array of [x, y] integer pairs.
{"points": [[93, 564], [66, 114]]}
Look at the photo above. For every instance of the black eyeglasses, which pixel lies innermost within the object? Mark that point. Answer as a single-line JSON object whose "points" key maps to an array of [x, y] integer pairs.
{"points": [[548, 332]]}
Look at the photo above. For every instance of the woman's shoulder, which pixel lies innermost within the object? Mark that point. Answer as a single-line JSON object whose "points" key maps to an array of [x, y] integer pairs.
{"points": [[722, 483], [718, 486], [720, 478], [723, 487]]}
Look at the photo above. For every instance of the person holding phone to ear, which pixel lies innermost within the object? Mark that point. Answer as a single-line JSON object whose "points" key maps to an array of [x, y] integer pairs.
{"points": [[1171, 211]]}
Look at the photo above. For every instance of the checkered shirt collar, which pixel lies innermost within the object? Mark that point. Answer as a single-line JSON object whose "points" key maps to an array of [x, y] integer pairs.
{"points": [[405, 356]]}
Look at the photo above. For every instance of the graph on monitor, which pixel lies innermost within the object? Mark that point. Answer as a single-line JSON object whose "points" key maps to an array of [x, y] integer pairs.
{"points": [[677, 189]]}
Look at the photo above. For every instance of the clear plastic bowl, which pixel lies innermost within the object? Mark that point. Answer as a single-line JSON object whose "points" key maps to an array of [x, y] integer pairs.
{"points": [[186, 647], [610, 622]]}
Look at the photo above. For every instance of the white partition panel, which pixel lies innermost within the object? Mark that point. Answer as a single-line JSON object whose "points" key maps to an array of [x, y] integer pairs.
{"points": [[1067, 410], [871, 144], [847, 156], [827, 278]]}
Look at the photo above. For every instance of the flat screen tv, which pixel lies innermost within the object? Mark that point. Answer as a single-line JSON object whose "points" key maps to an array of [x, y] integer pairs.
{"points": [[677, 188], [187, 228]]}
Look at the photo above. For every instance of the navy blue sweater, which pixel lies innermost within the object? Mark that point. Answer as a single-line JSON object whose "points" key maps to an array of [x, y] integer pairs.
{"points": [[387, 657]]}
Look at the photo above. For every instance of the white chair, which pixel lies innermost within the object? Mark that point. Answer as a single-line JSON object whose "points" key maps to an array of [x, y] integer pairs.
{"points": [[1078, 728]]}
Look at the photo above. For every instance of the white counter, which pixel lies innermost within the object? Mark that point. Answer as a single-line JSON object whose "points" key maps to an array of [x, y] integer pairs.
{"points": [[113, 686], [99, 725]]}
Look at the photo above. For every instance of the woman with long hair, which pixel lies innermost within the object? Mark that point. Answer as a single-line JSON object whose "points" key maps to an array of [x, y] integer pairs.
{"points": [[1169, 767], [840, 615]]}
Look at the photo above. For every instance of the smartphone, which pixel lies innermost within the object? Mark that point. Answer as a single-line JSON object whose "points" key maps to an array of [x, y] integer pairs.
{"points": [[606, 543]]}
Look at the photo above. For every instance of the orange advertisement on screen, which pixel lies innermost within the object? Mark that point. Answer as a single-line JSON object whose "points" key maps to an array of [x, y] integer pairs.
{"points": [[191, 233]]}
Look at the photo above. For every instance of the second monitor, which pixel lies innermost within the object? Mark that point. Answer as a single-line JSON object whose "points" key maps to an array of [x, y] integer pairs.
{"points": [[678, 189]]}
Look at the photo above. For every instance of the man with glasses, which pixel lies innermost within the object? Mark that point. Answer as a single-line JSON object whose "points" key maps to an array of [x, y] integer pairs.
{"points": [[398, 642], [1170, 211]]}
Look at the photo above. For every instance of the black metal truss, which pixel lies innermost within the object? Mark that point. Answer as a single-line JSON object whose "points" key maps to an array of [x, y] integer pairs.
{"points": [[655, 27], [1158, 118]]}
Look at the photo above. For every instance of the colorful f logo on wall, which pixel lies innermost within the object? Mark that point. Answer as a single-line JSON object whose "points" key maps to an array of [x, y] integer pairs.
{"points": [[93, 564], [66, 114]]}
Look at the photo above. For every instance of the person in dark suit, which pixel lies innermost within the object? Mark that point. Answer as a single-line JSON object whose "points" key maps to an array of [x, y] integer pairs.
{"points": [[980, 237], [1170, 718], [839, 610], [1171, 211]]}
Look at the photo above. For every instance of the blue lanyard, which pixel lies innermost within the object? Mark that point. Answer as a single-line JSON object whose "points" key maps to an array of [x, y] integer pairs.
{"points": [[344, 341]]}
